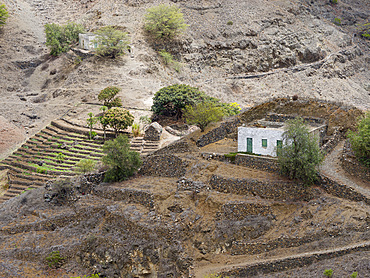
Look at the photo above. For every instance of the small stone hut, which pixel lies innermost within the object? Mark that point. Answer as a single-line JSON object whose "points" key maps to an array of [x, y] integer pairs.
{"points": [[87, 41]]}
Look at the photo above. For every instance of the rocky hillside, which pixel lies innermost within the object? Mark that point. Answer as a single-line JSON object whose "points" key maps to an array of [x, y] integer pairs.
{"points": [[239, 51]]}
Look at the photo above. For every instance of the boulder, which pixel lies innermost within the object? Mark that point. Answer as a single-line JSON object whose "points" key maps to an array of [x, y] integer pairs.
{"points": [[153, 132]]}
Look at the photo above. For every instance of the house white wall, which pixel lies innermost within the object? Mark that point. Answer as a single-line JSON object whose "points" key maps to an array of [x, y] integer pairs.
{"points": [[86, 41], [257, 134]]}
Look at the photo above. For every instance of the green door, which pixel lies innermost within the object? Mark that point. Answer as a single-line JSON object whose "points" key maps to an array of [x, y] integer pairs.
{"points": [[249, 145], [279, 146]]}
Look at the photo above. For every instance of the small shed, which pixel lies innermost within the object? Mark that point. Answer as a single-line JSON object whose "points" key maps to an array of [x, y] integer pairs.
{"points": [[265, 136], [153, 132], [87, 41]]}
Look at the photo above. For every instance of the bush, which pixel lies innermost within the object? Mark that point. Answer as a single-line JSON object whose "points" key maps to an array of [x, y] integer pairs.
{"points": [[111, 42], [60, 157], [122, 161], [230, 23], [59, 38], [328, 272], [203, 113], [3, 14], [360, 140], [171, 100], [300, 153], [337, 21], [85, 166], [136, 129], [167, 57], [164, 22], [364, 30], [55, 260], [108, 97], [118, 119]]}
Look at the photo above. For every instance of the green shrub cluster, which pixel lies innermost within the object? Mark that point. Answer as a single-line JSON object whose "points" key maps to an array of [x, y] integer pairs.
{"points": [[85, 166], [108, 97], [122, 161], [111, 42], [59, 38], [364, 30], [3, 14], [54, 260], [164, 22]]}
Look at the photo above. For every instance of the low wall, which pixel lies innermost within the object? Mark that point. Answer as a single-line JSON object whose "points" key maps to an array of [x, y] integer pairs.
{"points": [[239, 211], [273, 117], [332, 142], [280, 191], [339, 190], [180, 146], [125, 194], [163, 166], [218, 133], [292, 262]]}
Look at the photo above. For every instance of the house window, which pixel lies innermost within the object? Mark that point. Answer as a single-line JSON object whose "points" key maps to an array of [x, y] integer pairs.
{"points": [[264, 143]]}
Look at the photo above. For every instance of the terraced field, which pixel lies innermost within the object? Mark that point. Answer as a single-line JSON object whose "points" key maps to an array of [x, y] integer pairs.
{"points": [[54, 152]]}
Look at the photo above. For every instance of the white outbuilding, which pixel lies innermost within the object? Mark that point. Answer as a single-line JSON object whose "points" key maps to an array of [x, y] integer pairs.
{"points": [[265, 136], [87, 41]]}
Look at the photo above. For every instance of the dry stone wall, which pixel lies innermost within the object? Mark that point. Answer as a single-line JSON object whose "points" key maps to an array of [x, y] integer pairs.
{"points": [[163, 166], [218, 133]]}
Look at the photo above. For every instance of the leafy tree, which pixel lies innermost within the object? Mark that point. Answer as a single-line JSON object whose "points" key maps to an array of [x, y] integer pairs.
{"points": [[171, 100], [59, 38], [360, 140], [164, 22], [118, 119], [90, 122], [104, 121], [108, 97], [122, 161], [300, 153], [111, 42], [203, 113], [3, 14]]}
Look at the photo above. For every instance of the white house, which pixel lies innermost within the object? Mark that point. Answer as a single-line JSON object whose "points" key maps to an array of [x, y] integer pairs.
{"points": [[267, 136], [87, 41]]}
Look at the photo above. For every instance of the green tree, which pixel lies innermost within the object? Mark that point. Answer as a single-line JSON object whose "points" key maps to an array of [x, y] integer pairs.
{"points": [[59, 38], [164, 22], [122, 161], [108, 97], [111, 42], [360, 140], [118, 119], [3, 14], [203, 113], [300, 154], [104, 121], [90, 122], [171, 100]]}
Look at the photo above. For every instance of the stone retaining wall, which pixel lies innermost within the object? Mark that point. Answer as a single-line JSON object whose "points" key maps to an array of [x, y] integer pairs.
{"points": [[292, 262], [340, 190], [218, 133], [180, 146], [332, 142], [351, 165], [238, 211], [141, 197], [273, 117], [163, 166], [276, 190]]}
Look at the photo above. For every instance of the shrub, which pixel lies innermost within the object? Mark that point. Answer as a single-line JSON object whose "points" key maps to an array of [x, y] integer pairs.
{"points": [[41, 169], [118, 119], [3, 14], [360, 140], [60, 157], [111, 42], [354, 274], [230, 23], [334, 1], [171, 100], [55, 260], [328, 272], [167, 57], [300, 153], [59, 38], [364, 30], [203, 113], [164, 22], [337, 21], [136, 129], [85, 166], [108, 97], [122, 161]]}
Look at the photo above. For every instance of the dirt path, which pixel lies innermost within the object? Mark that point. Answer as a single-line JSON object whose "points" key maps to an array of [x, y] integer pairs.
{"points": [[332, 168], [335, 252]]}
